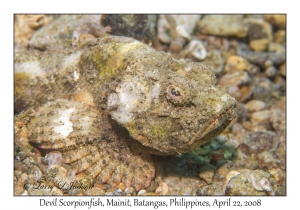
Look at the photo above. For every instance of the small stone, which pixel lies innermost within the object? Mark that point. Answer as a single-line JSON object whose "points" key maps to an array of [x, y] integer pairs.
{"points": [[236, 63], [214, 61], [223, 171], [94, 192], [175, 46], [86, 40], [239, 85], [121, 186], [162, 189], [268, 159], [264, 88], [142, 192], [259, 44], [260, 116], [54, 157], [197, 49], [129, 190], [279, 37], [278, 174], [275, 47], [247, 125], [223, 25], [261, 140], [248, 182], [270, 71], [255, 105], [278, 116], [277, 20], [25, 193], [207, 173], [282, 69], [281, 151]]}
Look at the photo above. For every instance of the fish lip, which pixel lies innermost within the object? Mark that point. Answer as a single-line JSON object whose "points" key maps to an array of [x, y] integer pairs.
{"points": [[214, 123]]}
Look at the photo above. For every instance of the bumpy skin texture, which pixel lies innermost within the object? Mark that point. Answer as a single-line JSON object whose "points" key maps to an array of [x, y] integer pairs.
{"points": [[167, 106]]}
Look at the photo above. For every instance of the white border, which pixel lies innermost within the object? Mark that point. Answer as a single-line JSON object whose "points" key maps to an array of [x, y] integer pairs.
{"points": [[151, 6]]}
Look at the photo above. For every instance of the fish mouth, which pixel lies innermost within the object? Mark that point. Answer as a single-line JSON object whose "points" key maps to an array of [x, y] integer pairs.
{"points": [[214, 126]]}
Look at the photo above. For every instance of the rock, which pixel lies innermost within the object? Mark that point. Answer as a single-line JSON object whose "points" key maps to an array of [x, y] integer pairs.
{"points": [[278, 116], [65, 31], [239, 85], [178, 26], [275, 47], [248, 182], [54, 157], [259, 44], [255, 105], [141, 27], [26, 25], [264, 89], [264, 59], [260, 116], [207, 173], [162, 189], [277, 20], [281, 151], [223, 25], [236, 63], [221, 172], [270, 71], [268, 159], [196, 49], [279, 37], [262, 141], [282, 69], [214, 61], [86, 40], [94, 192], [214, 189], [256, 31]]}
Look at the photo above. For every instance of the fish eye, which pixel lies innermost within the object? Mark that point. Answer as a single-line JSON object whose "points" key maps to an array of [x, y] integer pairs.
{"points": [[175, 94]]}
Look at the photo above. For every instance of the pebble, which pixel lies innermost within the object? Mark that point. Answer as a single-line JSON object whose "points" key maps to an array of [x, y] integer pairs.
{"points": [[279, 37], [261, 141], [282, 69], [248, 182], [236, 63], [255, 105], [142, 192], [270, 71], [264, 88], [162, 189], [207, 173], [223, 25], [277, 20], [86, 40], [268, 159], [214, 61], [259, 44], [197, 49], [54, 157], [275, 47], [239, 85], [260, 116]]}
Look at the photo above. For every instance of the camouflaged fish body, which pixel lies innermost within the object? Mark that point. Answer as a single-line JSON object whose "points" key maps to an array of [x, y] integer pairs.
{"points": [[166, 106]]}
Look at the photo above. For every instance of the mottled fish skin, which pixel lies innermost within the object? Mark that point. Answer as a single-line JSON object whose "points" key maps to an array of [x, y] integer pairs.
{"points": [[167, 106]]}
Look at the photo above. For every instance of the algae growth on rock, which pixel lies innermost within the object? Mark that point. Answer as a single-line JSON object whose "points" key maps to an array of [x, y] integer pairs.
{"points": [[106, 107]]}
